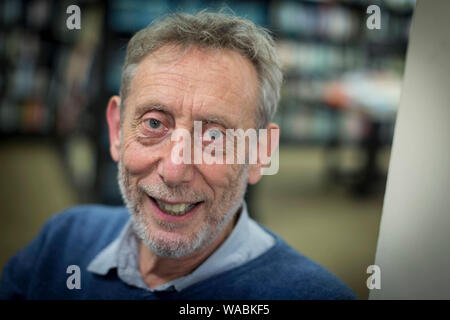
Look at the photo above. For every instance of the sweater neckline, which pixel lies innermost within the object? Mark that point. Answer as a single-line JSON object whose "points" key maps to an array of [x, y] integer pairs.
{"points": [[279, 242]]}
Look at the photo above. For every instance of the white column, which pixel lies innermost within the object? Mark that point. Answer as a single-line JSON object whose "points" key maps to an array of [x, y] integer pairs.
{"points": [[414, 243]]}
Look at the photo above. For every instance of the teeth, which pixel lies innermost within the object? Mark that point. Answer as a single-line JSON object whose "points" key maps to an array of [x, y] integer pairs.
{"points": [[175, 209]]}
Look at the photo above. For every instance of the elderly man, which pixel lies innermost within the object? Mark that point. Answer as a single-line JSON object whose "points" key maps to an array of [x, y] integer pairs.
{"points": [[185, 232]]}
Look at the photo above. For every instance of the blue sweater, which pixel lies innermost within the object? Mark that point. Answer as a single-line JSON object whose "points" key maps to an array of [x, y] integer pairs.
{"points": [[77, 235]]}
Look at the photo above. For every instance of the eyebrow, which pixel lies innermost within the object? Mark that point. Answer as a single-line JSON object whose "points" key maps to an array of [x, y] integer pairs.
{"points": [[216, 120], [154, 106], [147, 107]]}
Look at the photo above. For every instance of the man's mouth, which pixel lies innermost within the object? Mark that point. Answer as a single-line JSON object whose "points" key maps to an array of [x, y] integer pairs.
{"points": [[176, 209]]}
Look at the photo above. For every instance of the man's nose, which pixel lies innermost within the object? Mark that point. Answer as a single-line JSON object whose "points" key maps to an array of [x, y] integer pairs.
{"points": [[173, 173]]}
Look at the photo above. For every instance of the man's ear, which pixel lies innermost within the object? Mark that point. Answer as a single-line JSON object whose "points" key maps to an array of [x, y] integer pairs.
{"points": [[113, 119], [267, 144]]}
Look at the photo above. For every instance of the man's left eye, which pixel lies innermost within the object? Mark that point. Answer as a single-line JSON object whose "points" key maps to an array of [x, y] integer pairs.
{"points": [[154, 124], [214, 134]]}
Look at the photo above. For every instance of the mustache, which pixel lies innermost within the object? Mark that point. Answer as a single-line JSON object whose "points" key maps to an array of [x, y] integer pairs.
{"points": [[161, 191]]}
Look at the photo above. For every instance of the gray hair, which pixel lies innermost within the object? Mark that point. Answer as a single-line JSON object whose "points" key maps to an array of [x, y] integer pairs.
{"points": [[216, 31]]}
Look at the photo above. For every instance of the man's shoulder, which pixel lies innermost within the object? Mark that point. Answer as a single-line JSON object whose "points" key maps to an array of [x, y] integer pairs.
{"points": [[89, 217], [72, 237], [87, 227], [299, 277], [283, 273], [306, 278]]}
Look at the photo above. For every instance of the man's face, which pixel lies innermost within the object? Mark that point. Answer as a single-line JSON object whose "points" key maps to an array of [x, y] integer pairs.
{"points": [[180, 208]]}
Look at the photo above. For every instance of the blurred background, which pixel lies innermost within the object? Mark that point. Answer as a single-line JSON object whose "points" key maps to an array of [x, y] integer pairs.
{"points": [[337, 115]]}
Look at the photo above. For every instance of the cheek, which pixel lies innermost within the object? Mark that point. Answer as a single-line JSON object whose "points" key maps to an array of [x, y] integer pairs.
{"points": [[219, 175], [137, 158]]}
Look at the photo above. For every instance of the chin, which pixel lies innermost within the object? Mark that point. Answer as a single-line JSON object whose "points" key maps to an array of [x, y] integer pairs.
{"points": [[164, 241]]}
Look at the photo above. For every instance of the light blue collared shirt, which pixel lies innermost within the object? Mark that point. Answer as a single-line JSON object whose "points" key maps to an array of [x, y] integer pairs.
{"points": [[246, 242]]}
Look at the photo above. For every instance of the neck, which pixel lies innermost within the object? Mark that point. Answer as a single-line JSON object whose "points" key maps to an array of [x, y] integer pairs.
{"points": [[156, 270]]}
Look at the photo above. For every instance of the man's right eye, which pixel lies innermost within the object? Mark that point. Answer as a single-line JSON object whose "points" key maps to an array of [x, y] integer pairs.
{"points": [[154, 124], [153, 128]]}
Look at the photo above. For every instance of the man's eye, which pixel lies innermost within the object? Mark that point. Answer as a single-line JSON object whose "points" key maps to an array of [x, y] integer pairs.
{"points": [[154, 124], [214, 134]]}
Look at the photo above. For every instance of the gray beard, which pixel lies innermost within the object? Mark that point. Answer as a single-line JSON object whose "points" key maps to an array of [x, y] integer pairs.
{"points": [[208, 233]]}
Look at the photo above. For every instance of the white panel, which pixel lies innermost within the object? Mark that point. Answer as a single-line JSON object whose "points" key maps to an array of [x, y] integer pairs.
{"points": [[414, 245]]}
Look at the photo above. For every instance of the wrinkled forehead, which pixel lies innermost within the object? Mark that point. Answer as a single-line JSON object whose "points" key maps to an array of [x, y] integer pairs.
{"points": [[210, 77]]}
